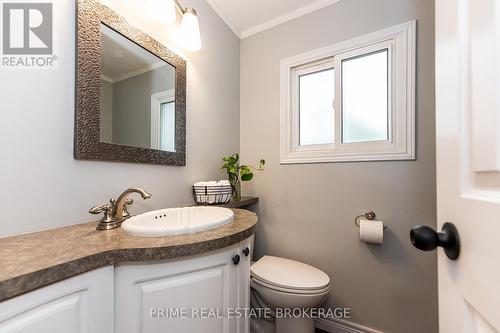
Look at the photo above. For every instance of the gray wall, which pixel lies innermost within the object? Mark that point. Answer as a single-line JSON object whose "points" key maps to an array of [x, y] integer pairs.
{"points": [[106, 119], [44, 187], [132, 105], [306, 211]]}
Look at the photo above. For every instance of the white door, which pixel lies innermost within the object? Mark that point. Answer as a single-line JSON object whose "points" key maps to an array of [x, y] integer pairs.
{"points": [[468, 161]]}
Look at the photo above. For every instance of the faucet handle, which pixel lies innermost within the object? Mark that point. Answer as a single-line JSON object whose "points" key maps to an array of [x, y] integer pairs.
{"points": [[127, 203], [100, 209], [106, 209]]}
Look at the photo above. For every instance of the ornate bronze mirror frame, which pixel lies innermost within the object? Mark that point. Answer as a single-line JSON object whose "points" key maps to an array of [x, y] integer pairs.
{"points": [[87, 145]]}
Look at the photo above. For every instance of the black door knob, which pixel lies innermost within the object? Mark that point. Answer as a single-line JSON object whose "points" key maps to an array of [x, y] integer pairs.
{"points": [[426, 239], [236, 260], [246, 251]]}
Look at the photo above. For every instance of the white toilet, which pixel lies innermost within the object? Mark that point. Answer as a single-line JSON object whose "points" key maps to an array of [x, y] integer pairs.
{"points": [[287, 284]]}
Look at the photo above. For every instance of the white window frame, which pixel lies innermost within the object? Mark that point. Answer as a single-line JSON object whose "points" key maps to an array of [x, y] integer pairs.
{"points": [[400, 41], [157, 100]]}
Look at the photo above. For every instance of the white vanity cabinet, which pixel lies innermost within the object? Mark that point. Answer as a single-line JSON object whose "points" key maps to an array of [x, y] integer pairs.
{"points": [[81, 304], [193, 294], [141, 298]]}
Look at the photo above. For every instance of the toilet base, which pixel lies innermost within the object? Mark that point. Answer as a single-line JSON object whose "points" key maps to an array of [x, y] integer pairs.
{"points": [[294, 325], [258, 325]]}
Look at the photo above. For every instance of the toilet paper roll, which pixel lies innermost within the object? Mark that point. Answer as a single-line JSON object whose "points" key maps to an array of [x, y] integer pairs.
{"points": [[371, 231]]}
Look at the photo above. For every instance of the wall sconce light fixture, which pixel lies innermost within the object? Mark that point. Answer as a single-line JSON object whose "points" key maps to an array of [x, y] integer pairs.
{"points": [[164, 11]]}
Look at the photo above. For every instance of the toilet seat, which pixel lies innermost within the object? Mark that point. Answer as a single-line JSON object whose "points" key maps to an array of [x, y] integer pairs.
{"points": [[290, 290], [289, 276]]}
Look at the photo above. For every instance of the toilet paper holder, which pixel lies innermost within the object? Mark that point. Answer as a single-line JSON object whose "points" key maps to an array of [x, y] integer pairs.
{"points": [[370, 216]]}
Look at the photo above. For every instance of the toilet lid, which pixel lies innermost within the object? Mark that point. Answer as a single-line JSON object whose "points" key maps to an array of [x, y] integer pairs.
{"points": [[289, 274]]}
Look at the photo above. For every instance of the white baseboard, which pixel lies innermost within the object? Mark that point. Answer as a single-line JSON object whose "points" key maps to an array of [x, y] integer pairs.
{"points": [[342, 326]]}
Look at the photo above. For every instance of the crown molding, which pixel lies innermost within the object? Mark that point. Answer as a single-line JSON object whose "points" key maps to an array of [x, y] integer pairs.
{"points": [[287, 17], [133, 73], [224, 17], [273, 22]]}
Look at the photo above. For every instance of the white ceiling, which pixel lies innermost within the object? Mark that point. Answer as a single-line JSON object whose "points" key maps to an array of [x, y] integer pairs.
{"points": [[122, 58], [249, 17]]}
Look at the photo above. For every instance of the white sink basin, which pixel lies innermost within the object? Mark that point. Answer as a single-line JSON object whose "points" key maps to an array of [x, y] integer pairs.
{"points": [[177, 221]]}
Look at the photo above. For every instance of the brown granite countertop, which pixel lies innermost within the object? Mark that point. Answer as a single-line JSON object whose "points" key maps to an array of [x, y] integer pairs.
{"points": [[31, 261], [244, 202]]}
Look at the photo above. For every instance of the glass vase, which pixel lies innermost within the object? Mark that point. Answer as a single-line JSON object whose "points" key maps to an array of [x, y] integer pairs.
{"points": [[236, 184]]}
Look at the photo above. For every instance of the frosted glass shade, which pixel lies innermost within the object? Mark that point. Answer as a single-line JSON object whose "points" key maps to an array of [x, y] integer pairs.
{"points": [[190, 30]]}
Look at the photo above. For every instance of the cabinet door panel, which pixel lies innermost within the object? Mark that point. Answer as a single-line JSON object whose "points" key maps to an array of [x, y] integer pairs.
{"points": [[182, 296], [205, 288], [82, 304]]}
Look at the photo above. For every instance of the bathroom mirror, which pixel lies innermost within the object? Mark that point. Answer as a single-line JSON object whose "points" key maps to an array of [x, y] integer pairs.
{"points": [[137, 104], [130, 98]]}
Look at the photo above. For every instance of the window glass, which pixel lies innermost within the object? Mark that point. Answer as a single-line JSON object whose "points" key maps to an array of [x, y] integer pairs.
{"points": [[365, 98], [316, 113], [167, 126]]}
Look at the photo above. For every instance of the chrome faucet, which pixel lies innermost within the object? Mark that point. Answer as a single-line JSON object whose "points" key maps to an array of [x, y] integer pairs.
{"points": [[115, 212]]}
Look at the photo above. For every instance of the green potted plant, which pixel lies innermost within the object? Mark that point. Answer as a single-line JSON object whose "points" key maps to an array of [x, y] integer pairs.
{"points": [[235, 171]]}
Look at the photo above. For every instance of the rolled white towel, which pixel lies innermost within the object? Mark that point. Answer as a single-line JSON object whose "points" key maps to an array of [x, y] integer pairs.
{"points": [[223, 182], [209, 183]]}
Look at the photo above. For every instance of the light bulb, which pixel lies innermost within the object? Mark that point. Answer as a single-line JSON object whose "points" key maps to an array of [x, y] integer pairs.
{"points": [[190, 30], [161, 10]]}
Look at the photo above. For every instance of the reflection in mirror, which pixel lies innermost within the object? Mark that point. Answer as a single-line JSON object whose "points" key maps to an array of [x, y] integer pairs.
{"points": [[137, 95]]}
